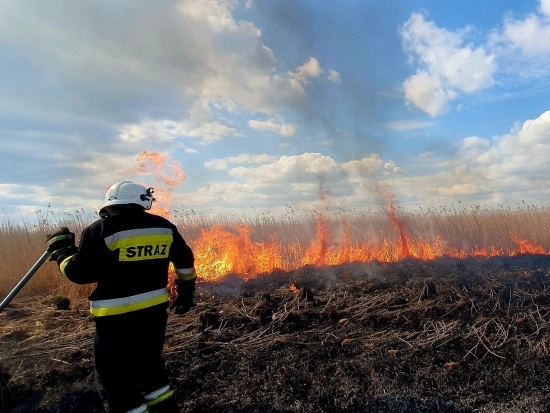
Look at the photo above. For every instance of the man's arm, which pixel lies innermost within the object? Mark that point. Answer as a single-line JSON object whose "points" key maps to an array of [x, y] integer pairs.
{"points": [[182, 257], [79, 265]]}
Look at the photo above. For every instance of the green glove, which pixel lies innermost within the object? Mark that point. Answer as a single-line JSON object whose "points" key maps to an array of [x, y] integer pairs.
{"points": [[61, 240]]}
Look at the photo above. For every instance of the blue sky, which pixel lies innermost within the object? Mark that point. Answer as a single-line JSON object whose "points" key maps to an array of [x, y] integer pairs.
{"points": [[266, 103]]}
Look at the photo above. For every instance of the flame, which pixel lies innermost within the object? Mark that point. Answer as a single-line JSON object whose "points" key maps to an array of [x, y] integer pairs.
{"points": [[164, 171], [400, 227], [294, 287], [169, 174], [317, 253], [527, 247], [222, 250]]}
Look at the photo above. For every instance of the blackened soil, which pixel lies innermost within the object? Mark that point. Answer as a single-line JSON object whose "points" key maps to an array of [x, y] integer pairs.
{"points": [[439, 336]]}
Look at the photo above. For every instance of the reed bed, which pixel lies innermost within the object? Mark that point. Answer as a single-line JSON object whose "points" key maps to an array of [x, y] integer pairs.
{"points": [[293, 230]]}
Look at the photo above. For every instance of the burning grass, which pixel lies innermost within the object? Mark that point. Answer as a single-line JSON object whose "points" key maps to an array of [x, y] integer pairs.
{"points": [[447, 335], [268, 242]]}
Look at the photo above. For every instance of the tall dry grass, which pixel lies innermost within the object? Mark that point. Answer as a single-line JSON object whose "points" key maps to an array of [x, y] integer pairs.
{"points": [[21, 244], [23, 241]]}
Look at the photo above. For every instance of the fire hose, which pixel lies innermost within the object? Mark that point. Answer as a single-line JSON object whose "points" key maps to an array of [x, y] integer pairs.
{"points": [[24, 280]]}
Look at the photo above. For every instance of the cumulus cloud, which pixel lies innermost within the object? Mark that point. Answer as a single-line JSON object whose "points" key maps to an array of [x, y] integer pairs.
{"points": [[242, 159], [295, 179], [273, 127], [166, 134], [530, 35], [162, 132], [211, 132], [300, 179], [101, 88], [84, 92], [369, 165], [227, 93], [246, 158], [427, 93], [501, 170], [306, 167], [334, 76], [446, 66], [143, 76], [506, 164], [521, 44], [301, 76], [407, 125]]}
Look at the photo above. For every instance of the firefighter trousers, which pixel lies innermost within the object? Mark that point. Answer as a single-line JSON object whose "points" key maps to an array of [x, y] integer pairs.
{"points": [[129, 366]]}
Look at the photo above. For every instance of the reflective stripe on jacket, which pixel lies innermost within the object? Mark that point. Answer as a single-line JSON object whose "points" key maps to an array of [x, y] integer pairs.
{"points": [[158, 396], [114, 306], [186, 274], [140, 409], [128, 256], [141, 244]]}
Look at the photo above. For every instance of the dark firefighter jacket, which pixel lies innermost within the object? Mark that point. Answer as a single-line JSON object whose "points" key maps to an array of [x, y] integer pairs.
{"points": [[128, 255]]}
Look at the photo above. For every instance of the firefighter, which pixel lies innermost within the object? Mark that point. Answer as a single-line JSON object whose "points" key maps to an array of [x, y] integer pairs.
{"points": [[127, 253]]}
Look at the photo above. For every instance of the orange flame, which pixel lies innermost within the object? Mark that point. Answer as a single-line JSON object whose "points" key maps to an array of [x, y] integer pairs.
{"points": [[166, 172], [294, 287], [400, 226], [527, 247], [220, 251], [317, 253]]}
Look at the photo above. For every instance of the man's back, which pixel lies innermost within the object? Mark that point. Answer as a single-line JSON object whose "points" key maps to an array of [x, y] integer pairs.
{"points": [[128, 254]]}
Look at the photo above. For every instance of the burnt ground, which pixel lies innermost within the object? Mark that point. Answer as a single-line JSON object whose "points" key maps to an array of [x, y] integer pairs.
{"points": [[438, 336]]}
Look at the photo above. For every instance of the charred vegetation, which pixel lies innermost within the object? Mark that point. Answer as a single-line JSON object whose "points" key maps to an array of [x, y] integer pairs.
{"points": [[446, 335]]}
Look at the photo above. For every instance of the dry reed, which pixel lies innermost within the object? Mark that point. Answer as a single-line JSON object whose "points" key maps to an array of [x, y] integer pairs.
{"points": [[478, 227]]}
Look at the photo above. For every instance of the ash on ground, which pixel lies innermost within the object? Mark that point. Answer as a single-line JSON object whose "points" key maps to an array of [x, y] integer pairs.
{"points": [[416, 336]]}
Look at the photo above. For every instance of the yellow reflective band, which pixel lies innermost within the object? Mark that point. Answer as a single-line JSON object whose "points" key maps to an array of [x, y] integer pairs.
{"points": [[114, 241], [64, 264], [186, 274], [141, 244], [101, 308], [154, 394], [160, 398]]}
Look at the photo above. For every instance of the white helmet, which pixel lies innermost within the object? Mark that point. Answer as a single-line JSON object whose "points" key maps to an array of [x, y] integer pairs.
{"points": [[126, 193]]}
